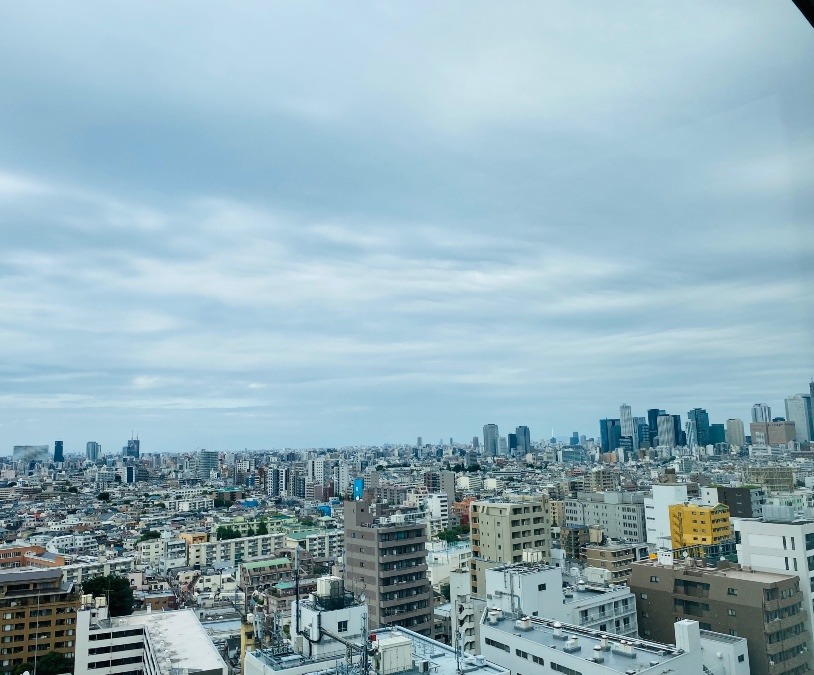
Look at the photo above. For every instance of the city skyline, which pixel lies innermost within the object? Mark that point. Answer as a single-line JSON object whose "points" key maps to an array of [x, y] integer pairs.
{"points": [[273, 230]]}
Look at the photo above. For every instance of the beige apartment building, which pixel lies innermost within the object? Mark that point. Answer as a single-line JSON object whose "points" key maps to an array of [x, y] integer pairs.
{"points": [[503, 532]]}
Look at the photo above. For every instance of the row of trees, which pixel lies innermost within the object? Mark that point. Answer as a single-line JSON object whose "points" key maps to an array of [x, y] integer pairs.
{"points": [[225, 532]]}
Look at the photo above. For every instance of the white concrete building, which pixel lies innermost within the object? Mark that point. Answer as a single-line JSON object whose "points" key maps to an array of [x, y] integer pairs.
{"points": [[532, 645], [784, 545], [657, 514], [537, 590], [442, 558], [88, 568], [152, 643]]}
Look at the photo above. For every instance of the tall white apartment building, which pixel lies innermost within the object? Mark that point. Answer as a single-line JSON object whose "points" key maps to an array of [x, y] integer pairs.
{"points": [[657, 514]]}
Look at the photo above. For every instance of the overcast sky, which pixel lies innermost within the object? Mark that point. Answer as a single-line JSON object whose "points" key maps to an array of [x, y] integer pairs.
{"points": [[315, 223]]}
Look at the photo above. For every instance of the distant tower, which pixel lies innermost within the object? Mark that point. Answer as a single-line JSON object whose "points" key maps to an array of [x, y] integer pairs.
{"points": [[798, 410], [208, 460], [132, 449], [761, 413], [92, 451], [523, 440], [700, 418], [490, 439], [59, 455], [735, 434]]}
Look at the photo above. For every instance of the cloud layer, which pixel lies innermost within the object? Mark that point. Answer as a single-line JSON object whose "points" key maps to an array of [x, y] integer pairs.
{"points": [[301, 225]]}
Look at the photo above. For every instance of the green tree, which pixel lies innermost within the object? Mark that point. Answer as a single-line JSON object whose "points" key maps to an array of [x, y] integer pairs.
{"points": [[26, 665], [116, 589], [251, 532], [54, 663], [73, 490], [262, 527], [147, 535], [445, 591], [103, 496], [225, 532]]}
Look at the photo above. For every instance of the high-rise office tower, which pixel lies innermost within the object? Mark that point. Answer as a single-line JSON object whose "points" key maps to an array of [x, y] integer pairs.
{"points": [[653, 423], [475, 443], [798, 410], [692, 434], [59, 453], [735, 434], [666, 430], [610, 434], [680, 438], [761, 413], [574, 438], [717, 434], [132, 449], [701, 419], [490, 439], [93, 450], [640, 434], [512, 441], [523, 440], [626, 420]]}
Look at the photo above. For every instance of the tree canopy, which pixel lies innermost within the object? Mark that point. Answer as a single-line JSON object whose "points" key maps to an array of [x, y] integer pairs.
{"points": [[116, 589]]}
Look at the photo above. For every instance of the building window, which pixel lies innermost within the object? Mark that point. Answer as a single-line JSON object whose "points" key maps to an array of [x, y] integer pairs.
{"points": [[731, 591], [643, 596], [342, 627], [541, 587], [731, 612], [740, 658], [654, 579]]}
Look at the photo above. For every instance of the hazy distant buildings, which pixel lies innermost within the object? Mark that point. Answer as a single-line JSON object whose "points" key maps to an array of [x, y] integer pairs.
{"points": [[490, 439], [59, 452], [31, 453], [798, 411]]}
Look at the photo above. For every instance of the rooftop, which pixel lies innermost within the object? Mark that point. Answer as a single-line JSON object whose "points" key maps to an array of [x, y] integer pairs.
{"points": [[621, 652], [724, 572], [187, 644]]}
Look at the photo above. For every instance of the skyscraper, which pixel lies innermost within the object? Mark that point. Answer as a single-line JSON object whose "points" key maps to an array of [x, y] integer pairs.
{"points": [[132, 449], [490, 439], [700, 418], [653, 423], [798, 410], [735, 434], [692, 434], [666, 430], [610, 434], [59, 454], [626, 420], [93, 450], [761, 413], [523, 440]]}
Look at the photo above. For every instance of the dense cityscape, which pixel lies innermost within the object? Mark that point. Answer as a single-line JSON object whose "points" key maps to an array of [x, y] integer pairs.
{"points": [[406, 338], [665, 542]]}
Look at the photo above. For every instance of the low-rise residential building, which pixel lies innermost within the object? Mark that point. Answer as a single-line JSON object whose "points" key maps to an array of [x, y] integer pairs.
{"points": [[235, 551]]}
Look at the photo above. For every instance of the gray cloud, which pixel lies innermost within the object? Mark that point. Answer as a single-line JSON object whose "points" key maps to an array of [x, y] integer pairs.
{"points": [[298, 225]]}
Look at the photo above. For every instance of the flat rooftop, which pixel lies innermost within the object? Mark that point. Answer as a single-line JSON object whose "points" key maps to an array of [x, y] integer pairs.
{"points": [[441, 657], [724, 572], [553, 634], [187, 643]]}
